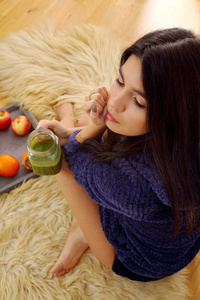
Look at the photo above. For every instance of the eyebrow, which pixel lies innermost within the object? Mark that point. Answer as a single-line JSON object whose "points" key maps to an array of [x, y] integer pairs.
{"points": [[135, 90]]}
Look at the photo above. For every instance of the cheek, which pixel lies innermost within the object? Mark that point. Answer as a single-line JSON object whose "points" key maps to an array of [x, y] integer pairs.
{"points": [[143, 125], [137, 121]]}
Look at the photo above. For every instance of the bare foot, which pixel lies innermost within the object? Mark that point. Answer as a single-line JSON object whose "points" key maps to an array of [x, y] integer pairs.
{"points": [[65, 114], [74, 248]]}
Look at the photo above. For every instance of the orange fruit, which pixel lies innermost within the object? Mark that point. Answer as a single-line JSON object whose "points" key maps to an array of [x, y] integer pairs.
{"points": [[9, 165], [26, 162]]}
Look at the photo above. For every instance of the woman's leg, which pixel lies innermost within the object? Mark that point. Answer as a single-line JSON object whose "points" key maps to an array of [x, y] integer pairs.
{"points": [[86, 212], [90, 233], [74, 248], [75, 244]]}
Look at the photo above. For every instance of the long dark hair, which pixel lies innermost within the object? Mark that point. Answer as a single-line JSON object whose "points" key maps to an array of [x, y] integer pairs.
{"points": [[171, 78]]}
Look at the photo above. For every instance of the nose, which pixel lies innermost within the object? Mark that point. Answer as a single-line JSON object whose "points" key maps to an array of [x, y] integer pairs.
{"points": [[117, 103]]}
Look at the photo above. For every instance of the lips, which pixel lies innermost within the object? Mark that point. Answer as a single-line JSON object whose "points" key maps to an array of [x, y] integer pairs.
{"points": [[110, 117]]}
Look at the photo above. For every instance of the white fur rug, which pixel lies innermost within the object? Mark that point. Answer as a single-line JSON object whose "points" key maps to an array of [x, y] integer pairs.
{"points": [[37, 66]]}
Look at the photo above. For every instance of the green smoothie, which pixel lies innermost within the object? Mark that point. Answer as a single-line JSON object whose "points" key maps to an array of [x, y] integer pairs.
{"points": [[45, 165], [42, 146]]}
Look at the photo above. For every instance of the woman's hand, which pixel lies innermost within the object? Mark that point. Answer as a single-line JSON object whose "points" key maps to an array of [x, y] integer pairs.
{"points": [[95, 105], [59, 129]]}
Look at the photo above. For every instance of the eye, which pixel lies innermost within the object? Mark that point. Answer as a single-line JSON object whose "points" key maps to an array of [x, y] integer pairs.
{"points": [[138, 103], [119, 82]]}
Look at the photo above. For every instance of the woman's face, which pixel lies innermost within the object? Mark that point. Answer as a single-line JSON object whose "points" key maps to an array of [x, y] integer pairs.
{"points": [[127, 106]]}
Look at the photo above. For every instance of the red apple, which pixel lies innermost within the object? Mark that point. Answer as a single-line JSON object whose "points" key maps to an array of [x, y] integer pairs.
{"points": [[20, 125], [5, 119]]}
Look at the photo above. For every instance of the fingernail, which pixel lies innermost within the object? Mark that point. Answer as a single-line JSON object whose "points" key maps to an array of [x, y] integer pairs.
{"points": [[94, 108], [104, 111]]}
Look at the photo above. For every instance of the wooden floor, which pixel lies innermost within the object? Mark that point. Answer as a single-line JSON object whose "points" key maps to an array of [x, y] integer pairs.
{"points": [[128, 19]]}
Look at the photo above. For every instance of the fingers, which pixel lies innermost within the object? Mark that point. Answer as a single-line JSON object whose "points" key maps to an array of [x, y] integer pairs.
{"points": [[95, 105], [98, 119], [59, 129], [99, 97], [101, 90], [48, 124], [54, 126]]}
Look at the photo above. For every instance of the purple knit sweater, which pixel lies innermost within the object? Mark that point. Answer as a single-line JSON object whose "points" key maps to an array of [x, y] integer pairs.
{"points": [[135, 212]]}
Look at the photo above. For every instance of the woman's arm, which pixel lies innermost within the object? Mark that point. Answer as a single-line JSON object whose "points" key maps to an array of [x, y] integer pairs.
{"points": [[90, 131], [63, 133], [95, 106]]}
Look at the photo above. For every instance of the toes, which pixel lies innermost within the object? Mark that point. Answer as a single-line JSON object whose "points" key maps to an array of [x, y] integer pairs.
{"points": [[61, 272], [58, 271]]}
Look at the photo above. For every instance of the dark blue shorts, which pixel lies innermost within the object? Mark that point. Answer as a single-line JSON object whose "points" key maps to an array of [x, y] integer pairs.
{"points": [[121, 270]]}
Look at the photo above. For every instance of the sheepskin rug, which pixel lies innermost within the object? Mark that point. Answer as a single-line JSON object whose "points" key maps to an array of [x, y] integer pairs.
{"points": [[36, 67]]}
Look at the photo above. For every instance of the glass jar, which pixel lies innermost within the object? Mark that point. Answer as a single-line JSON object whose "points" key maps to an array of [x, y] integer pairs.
{"points": [[44, 152]]}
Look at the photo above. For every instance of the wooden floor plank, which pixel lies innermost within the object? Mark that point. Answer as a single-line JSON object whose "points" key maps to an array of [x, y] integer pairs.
{"points": [[128, 19]]}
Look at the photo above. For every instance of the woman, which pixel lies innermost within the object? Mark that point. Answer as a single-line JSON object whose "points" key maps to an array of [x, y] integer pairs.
{"points": [[132, 174]]}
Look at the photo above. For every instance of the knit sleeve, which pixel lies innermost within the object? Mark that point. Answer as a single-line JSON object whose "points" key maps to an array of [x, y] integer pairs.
{"points": [[114, 185]]}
